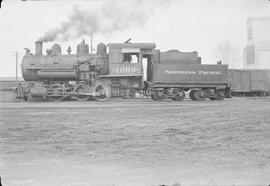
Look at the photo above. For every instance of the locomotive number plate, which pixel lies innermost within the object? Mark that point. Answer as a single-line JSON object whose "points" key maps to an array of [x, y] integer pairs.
{"points": [[125, 69]]}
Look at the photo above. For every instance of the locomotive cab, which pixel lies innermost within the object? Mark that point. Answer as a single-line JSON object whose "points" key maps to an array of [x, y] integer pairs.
{"points": [[128, 67], [129, 53]]}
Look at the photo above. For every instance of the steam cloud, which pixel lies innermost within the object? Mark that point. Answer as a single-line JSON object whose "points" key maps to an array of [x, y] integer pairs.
{"points": [[110, 17]]}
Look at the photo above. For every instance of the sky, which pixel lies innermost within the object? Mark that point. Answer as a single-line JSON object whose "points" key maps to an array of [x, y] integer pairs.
{"points": [[186, 25]]}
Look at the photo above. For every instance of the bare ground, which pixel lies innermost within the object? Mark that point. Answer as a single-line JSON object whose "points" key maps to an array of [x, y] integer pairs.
{"points": [[135, 142]]}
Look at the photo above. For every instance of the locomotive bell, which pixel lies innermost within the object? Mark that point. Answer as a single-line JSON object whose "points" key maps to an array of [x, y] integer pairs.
{"points": [[56, 50]]}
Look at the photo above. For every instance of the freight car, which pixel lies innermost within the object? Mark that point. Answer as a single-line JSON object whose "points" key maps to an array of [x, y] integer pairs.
{"points": [[127, 69], [249, 82]]}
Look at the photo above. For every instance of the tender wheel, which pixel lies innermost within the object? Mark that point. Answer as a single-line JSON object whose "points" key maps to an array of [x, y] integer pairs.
{"points": [[56, 92], [199, 96], [103, 91], [146, 93], [220, 96], [179, 95], [157, 95], [79, 89], [191, 94]]}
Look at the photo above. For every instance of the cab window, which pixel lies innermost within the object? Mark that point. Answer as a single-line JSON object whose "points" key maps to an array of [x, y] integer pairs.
{"points": [[131, 58], [131, 55]]}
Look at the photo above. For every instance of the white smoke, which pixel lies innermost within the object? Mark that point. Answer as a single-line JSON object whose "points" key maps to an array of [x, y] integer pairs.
{"points": [[111, 16]]}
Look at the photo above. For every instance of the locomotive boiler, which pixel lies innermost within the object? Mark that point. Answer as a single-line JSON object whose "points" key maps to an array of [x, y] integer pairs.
{"points": [[121, 69]]}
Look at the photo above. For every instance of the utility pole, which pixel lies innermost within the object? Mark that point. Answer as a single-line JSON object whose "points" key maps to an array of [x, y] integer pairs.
{"points": [[91, 44], [17, 67]]}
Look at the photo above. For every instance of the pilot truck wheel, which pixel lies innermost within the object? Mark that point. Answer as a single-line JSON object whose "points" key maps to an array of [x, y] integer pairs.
{"points": [[56, 92]]}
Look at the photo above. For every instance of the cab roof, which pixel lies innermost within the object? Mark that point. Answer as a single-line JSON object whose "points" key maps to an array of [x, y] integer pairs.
{"points": [[132, 45]]}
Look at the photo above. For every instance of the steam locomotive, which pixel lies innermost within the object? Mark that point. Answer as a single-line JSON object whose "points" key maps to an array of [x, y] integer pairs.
{"points": [[121, 70]]}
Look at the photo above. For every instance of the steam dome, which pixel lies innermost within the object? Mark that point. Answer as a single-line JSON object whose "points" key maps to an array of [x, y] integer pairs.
{"points": [[101, 49]]}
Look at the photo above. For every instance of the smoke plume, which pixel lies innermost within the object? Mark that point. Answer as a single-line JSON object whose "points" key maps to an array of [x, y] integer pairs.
{"points": [[111, 16]]}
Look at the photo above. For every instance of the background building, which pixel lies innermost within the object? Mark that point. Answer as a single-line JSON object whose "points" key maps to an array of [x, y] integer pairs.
{"points": [[257, 50]]}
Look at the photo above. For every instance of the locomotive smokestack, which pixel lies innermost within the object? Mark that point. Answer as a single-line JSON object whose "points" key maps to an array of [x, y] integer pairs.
{"points": [[38, 48]]}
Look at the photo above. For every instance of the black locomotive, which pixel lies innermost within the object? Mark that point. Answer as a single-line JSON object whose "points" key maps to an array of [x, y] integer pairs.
{"points": [[121, 69]]}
